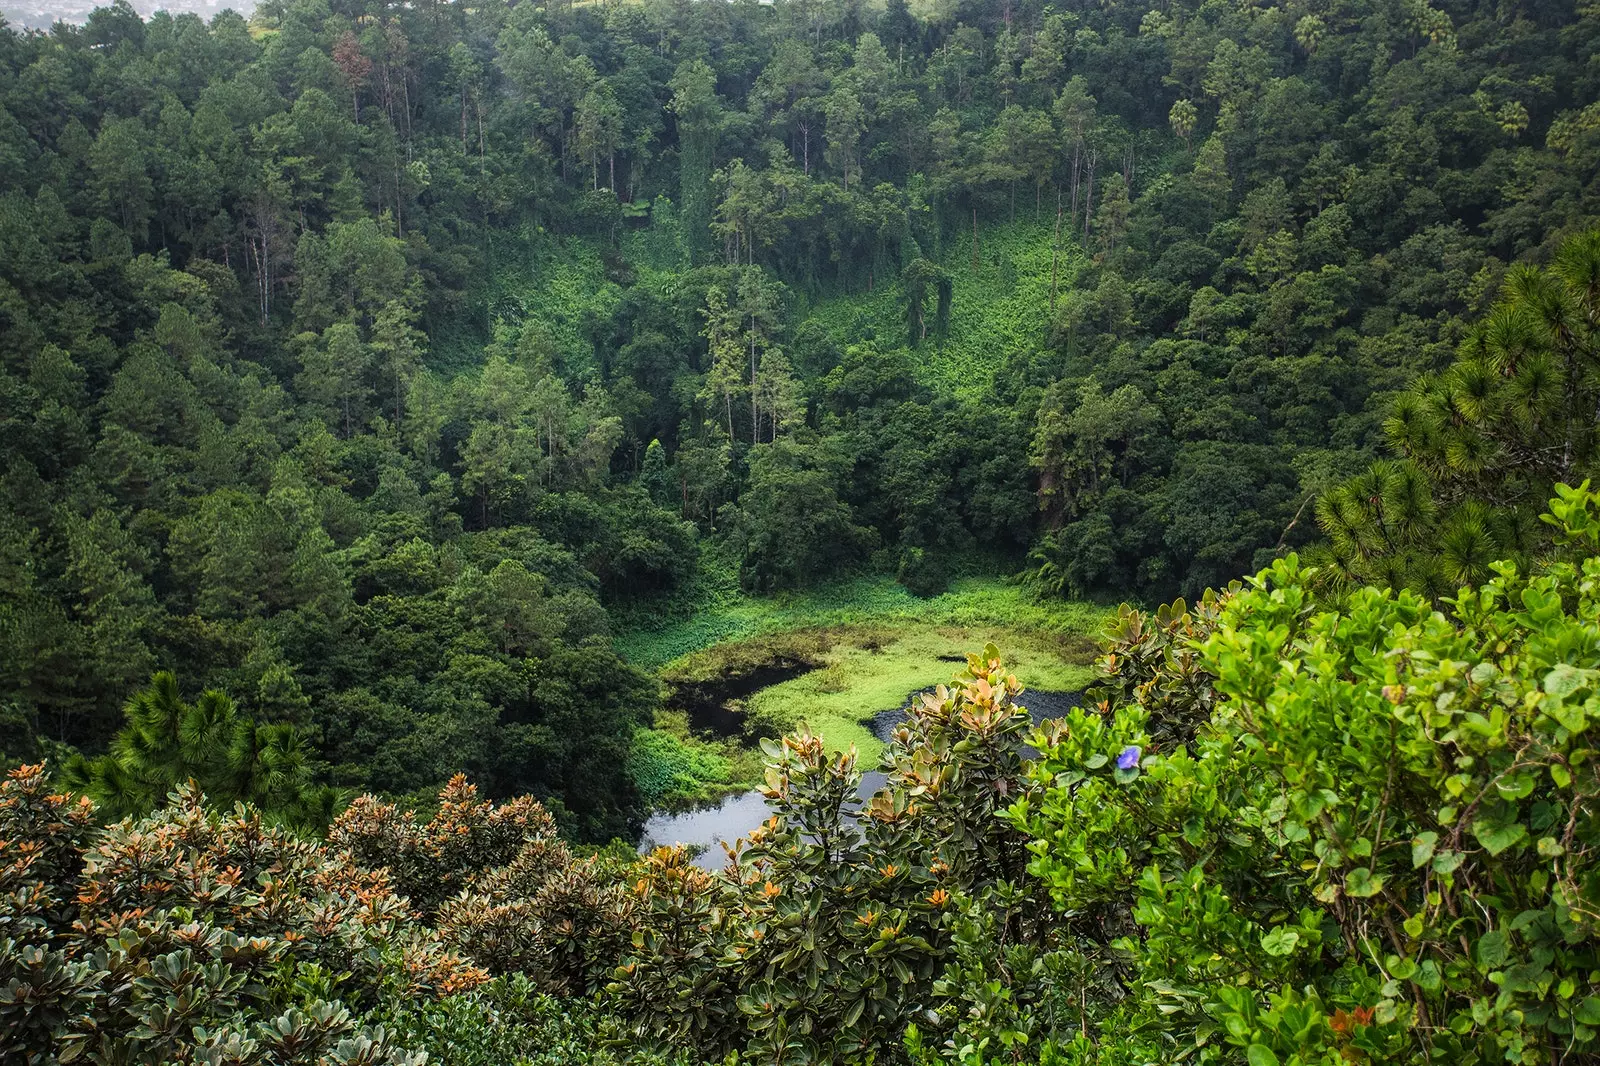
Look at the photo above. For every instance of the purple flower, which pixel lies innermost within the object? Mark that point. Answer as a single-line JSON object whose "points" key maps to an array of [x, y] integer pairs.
{"points": [[1129, 757]]}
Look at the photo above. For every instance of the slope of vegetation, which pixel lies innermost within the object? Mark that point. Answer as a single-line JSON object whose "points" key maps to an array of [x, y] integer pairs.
{"points": [[377, 366], [1000, 307]]}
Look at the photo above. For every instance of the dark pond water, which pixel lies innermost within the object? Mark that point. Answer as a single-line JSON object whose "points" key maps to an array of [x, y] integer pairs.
{"points": [[710, 827], [712, 707]]}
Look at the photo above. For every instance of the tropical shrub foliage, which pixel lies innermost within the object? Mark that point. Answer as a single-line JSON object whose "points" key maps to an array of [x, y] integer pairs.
{"points": [[502, 887], [1378, 847], [196, 935], [833, 926]]}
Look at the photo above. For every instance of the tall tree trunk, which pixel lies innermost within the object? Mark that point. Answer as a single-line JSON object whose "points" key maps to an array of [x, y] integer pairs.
{"points": [[1088, 198], [1072, 217], [399, 215], [1055, 252], [388, 92], [974, 237]]}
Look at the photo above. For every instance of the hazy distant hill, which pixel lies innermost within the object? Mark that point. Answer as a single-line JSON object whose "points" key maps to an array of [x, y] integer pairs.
{"points": [[42, 14]]}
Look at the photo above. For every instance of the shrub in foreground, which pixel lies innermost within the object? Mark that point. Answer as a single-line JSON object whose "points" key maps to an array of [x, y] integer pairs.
{"points": [[500, 885], [194, 935], [1381, 846], [839, 921]]}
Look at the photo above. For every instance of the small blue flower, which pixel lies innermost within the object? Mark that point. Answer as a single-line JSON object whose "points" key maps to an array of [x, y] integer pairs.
{"points": [[1129, 758]]}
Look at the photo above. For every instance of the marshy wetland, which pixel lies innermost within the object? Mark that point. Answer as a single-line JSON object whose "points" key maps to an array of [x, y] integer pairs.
{"points": [[847, 675]]}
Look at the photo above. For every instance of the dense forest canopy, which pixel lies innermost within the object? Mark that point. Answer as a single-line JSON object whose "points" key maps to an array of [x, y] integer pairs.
{"points": [[372, 364]]}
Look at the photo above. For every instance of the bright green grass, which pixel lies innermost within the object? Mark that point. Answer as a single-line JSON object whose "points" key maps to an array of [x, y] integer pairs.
{"points": [[862, 677], [723, 613], [1001, 308]]}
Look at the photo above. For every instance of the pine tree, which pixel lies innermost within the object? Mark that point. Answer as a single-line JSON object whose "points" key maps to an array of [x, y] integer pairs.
{"points": [[724, 380], [167, 742], [1484, 442]]}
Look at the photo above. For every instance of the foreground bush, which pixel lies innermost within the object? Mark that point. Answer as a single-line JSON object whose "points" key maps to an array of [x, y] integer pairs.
{"points": [[195, 936], [832, 927], [502, 887], [509, 1022], [1380, 847]]}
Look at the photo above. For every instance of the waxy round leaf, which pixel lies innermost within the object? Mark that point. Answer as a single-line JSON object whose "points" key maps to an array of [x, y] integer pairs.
{"points": [[1362, 882], [1280, 941], [1497, 837]]}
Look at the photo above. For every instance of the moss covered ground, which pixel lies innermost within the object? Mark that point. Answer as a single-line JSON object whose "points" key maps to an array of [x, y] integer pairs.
{"points": [[865, 645], [873, 669]]}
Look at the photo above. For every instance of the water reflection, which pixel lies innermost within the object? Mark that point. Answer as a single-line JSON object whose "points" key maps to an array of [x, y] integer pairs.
{"points": [[708, 828]]}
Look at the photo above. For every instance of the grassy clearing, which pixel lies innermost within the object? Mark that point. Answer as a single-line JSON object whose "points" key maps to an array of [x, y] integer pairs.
{"points": [[673, 769], [723, 614], [999, 307]]}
